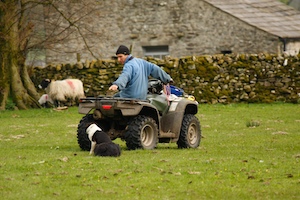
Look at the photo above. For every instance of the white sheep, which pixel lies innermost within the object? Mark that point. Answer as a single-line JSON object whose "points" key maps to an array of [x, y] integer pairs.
{"points": [[63, 90]]}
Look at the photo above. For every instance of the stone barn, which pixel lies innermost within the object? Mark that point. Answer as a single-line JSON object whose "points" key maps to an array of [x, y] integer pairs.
{"points": [[167, 27]]}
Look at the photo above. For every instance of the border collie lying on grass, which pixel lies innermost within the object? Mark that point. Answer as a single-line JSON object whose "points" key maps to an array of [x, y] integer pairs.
{"points": [[101, 144]]}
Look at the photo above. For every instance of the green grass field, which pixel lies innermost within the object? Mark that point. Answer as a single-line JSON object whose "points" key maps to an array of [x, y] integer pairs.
{"points": [[248, 151]]}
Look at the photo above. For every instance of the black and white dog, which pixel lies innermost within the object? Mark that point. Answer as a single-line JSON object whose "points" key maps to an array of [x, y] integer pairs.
{"points": [[101, 144]]}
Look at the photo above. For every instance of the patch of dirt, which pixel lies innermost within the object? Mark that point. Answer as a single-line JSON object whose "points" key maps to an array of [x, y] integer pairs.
{"points": [[279, 133]]}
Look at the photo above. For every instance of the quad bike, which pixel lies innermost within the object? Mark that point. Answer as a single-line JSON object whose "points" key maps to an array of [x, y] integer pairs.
{"points": [[142, 123]]}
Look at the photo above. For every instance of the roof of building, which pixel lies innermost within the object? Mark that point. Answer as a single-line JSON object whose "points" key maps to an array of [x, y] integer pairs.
{"points": [[271, 16]]}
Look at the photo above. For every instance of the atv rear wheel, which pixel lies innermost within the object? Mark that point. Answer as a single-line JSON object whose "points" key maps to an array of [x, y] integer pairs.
{"points": [[82, 137], [190, 133], [142, 132]]}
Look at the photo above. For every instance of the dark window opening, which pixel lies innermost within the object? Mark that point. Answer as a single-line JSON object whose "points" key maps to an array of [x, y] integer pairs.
{"points": [[156, 51], [226, 52]]}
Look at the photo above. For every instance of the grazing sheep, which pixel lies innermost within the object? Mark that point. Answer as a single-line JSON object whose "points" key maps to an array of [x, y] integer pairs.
{"points": [[63, 90], [45, 99], [101, 144]]}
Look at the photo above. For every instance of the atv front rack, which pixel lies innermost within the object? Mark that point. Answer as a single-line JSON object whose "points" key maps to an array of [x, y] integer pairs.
{"points": [[100, 98]]}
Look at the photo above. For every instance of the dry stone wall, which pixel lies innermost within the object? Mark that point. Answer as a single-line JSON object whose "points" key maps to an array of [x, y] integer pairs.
{"points": [[211, 78]]}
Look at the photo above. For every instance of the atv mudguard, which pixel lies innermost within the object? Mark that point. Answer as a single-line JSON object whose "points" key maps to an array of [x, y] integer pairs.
{"points": [[171, 122]]}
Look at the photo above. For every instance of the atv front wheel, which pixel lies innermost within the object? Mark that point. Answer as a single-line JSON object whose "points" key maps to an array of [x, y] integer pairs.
{"points": [[142, 132], [82, 138], [190, 133]]}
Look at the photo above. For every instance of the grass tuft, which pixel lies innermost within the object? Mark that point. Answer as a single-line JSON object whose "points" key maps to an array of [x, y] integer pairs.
{"points": [[253, 124]]}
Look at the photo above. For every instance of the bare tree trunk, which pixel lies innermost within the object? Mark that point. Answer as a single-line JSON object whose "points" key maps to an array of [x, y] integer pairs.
{"points": [[28, 84], [15, 82], [18, 91], [4, 84], [23, 92]]}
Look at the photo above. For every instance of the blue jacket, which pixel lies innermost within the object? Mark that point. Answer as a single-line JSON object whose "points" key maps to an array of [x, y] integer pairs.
{"points": [[133, 81]]}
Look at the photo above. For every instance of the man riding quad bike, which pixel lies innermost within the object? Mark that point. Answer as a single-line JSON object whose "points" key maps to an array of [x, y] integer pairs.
{"points": [[162, 118]]}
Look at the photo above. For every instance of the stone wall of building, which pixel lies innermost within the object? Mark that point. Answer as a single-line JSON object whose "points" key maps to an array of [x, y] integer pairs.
{"points": [[211, 78], [190, 27]]}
